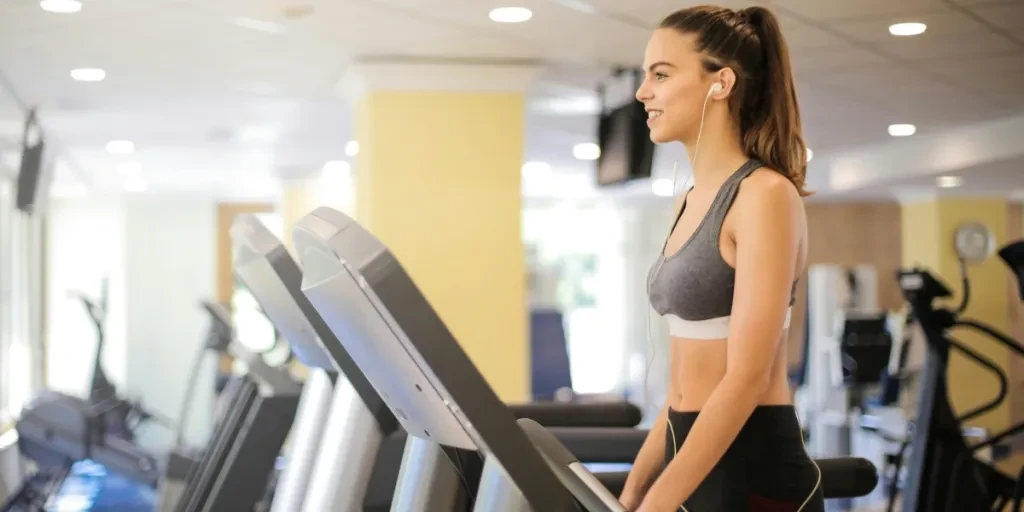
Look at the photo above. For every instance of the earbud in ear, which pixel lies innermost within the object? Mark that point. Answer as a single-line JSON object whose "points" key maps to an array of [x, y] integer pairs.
{"points": [[715, 87]]}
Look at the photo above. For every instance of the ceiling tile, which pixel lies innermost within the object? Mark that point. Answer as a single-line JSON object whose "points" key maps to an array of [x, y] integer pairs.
{"points": [[800, 34], [833, 133], [869, 76], [822, 10], [963, 45], [811, 60], [974, 3], [980, 66], [988, 74], [1008, 16], [650, 9], [944, 23]]}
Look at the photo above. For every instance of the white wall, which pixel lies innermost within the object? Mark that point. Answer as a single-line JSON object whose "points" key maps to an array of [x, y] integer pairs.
{"points": [[85, 243], [160, 258], [170, 263]]}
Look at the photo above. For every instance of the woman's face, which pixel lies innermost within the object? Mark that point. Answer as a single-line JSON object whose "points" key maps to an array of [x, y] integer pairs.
{"points": [[675, 86]]}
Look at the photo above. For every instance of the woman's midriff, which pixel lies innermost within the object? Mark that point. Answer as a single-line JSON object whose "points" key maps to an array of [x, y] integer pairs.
{"points": [[697, 366]]}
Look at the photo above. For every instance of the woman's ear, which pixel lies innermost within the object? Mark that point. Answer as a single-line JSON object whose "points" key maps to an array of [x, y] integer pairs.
{"points": [[727, 78]]}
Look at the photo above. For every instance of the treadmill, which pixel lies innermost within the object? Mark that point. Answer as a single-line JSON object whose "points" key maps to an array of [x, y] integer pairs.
{"points": [[339, 405], [240, 457], [350, 454], [440, 398]]}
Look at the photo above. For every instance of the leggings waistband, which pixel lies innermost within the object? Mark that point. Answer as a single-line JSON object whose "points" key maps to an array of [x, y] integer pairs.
{"points": [[776, 424]]}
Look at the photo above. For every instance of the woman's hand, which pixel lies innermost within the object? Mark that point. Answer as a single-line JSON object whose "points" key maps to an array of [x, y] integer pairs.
{"points": [[652, 504], [630, 500]]}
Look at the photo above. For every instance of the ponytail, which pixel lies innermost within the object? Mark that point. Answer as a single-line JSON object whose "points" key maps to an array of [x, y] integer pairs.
{"points": [[770, 115]]}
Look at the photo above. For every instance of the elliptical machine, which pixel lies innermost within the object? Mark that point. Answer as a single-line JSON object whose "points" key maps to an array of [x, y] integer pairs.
{"points": [[120, 416], [943, 472], [57, 430]]}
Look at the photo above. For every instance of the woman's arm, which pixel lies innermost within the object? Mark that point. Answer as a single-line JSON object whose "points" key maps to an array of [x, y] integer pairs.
{"points": [[768, 231], [650, 460], [649, 463]]}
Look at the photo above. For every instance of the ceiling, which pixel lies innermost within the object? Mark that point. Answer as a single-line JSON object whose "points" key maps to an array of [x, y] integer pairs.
{"points": [[217, 107]]}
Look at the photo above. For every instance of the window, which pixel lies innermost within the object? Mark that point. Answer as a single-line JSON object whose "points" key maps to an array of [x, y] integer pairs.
{"points": [[21, 270], [577, 266], [6, 205], [252, 328]]}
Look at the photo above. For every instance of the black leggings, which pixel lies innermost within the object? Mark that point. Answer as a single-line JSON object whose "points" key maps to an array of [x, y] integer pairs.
{"points": [[765, 470]]}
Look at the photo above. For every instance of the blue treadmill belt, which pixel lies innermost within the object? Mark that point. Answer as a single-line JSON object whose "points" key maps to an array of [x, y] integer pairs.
{"points": [[90, 487]]}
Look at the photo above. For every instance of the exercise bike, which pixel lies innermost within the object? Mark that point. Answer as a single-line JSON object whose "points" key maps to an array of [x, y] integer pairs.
{"points": [[943, 472]]}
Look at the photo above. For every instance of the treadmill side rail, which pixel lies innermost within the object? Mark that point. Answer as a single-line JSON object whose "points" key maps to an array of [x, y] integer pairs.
{"points": [[427, 480], [310, 422]]}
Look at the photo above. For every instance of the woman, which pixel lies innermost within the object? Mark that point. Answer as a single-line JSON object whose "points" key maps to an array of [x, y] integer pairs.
{"points": [[728, 439]]}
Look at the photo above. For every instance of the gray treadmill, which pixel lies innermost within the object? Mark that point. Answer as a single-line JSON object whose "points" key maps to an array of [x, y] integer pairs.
{"points": [[341, 417], [440, 398], [275, 281], [239, 459]]}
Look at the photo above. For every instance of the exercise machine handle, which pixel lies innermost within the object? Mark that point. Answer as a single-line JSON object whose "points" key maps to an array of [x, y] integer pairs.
{"points": [[987, 363], [580, 414], [967, 287], [1010, 343]]}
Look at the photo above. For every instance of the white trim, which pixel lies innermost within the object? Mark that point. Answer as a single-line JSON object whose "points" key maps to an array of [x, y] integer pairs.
{"points": [[710, 329]]}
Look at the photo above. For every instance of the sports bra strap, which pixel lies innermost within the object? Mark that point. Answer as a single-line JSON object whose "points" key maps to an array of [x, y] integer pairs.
{"points": [[723, 200], [726, 196]]}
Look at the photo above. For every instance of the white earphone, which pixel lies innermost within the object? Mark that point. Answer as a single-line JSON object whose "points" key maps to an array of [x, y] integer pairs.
{"points": [[715, 87]]}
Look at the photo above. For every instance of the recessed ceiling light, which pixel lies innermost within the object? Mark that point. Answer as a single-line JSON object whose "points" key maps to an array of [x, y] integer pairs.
{"points": [[61, 6], [662, 187], [351, 148], [586, 151], [260, 25], [949, 181], [120, 147], [902, 130], [88, 74], [907, 29], [810, 154], [511, 14]]}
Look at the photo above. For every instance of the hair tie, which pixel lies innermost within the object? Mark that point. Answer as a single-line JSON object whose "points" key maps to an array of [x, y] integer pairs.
{"points": [[742, 17]]}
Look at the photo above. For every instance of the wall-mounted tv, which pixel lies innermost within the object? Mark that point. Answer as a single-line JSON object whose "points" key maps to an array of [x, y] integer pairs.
{"points": [[627, 152], [34, 173]]}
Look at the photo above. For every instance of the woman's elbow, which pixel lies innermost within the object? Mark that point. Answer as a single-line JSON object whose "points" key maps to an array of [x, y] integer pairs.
{"points": [[750, 379]]}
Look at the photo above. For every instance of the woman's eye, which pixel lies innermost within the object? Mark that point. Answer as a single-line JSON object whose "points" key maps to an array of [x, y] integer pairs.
{"points": [[659, 76]]}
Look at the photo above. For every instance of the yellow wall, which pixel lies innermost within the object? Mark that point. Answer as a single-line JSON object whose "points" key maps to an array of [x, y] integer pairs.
{"points": [[438, 181], [920, 234]]}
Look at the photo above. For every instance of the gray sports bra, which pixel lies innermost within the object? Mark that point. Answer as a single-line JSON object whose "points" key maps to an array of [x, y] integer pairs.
{"points": [[693, 287]]}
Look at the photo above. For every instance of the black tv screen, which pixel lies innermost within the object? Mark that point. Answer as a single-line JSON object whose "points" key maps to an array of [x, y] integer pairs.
{"points": [[31, 175], [627, 152]]}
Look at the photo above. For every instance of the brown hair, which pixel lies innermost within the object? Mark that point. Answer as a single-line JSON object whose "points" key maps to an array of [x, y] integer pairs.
{"points": [[764, 102]]}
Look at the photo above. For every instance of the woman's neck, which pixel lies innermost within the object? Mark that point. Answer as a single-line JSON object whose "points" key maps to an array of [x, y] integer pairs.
{"points": [[718, 155]]}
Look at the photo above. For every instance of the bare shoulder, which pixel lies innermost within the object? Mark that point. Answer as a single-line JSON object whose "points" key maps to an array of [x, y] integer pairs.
{"points": [[767, 191]]}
